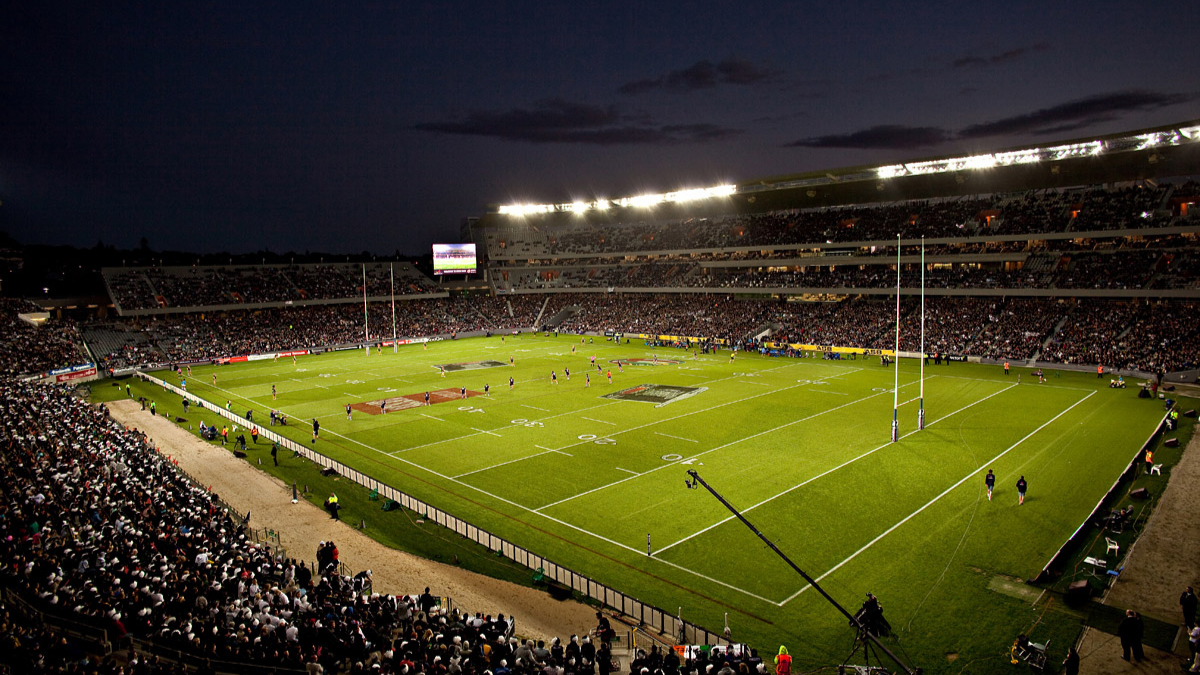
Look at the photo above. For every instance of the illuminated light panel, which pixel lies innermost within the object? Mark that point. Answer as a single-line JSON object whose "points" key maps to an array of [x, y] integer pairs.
{"points": [[640, 201]]}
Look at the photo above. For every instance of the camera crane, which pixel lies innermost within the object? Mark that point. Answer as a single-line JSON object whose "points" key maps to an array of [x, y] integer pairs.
{"points": [[865, 637]]}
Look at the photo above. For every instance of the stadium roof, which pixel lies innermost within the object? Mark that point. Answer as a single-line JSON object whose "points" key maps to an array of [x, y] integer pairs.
{"points": [[1145, 154]]}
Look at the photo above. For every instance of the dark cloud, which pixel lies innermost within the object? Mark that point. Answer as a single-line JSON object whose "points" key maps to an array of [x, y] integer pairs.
{"points": [[887, 137], [1077, 114], [1060, 119], [558, 121], [975, 61], [702, 75]]}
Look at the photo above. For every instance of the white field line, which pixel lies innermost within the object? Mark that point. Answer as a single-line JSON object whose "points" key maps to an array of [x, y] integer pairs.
{"points": [[563, 453], [917, 399], [588, 532], [571, 526], [1031, 382], [552, 519], [761, 384], [432, 417], [933, 501], [719, 447], [534, 407], [626, 470], [397, 452], [678, 438], [508, 426], [829, 471], [486, 468], [619, 432], [484, 431], [600, 421], [822, 391]]}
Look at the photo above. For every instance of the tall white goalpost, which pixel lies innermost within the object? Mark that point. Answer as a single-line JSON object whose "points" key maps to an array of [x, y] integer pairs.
{"points": [[896, 354], [392, 272], [921, 356], [366, 317]]}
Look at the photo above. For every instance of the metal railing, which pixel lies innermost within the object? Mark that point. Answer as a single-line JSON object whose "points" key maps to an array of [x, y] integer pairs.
{"points": [[635, 610]]}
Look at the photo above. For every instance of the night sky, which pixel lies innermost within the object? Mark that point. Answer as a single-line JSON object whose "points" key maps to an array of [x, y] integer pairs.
{"points": [[378, 127]]}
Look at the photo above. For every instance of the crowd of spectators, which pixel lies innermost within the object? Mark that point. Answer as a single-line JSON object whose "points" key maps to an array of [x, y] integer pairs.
{"points": [[26, 349], [993, 326], [708, 316], [211, 286], [1077, 268], [94, 522], [1038, 211]]}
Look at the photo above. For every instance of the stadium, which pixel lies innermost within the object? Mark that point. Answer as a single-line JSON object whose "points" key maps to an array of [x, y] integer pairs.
{"points": [[721, 421]]}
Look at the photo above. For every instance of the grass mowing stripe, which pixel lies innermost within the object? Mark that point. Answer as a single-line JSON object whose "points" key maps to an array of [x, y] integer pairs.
{"points": [[563, 523], [719, 447], [557, 520], [829, 471], [937, 498]]}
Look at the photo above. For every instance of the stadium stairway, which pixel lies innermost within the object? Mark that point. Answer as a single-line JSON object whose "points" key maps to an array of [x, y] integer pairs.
{"points": [[562, 315]]}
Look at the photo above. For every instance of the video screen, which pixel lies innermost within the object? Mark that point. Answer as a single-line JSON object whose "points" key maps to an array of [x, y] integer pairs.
{"points": [[453, 259]]}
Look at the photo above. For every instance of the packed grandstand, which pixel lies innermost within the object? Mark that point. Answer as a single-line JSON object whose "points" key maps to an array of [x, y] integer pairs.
{"points": [[1086, 276], [1095, 274]]}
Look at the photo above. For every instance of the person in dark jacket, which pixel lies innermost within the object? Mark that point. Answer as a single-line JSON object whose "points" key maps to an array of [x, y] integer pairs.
{"points": [[1130, 632]]}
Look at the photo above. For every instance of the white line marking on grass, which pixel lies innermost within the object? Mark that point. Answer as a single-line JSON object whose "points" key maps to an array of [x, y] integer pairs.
{"points": [[1033, 384], [911, 400], [563, 453], [484, 431], [933, 501], [678, 438], [432, 417], [534, 407], [829, 471], [600, 421], [719, 447], [761, 384], [550, 518], [822, 391], [627, 471], [494, 466], [459, 438]]}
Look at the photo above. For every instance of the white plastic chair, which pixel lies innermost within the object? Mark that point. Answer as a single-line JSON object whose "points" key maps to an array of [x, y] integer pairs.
{"points": [[1113, 547], [1157, 468]]}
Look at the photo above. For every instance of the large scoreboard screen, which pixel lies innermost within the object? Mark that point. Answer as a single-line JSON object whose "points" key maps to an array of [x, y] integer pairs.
{"points": [[453, 259]]}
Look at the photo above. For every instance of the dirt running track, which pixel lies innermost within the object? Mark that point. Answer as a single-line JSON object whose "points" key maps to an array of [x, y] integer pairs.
{"points": [[302, 526]]}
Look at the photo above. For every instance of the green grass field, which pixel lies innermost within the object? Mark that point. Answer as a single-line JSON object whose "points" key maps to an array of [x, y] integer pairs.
{"points": [[799, 445]]}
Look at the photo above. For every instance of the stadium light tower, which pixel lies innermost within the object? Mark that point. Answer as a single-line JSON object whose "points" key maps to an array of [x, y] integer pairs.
{"points": [[865, 637]]}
